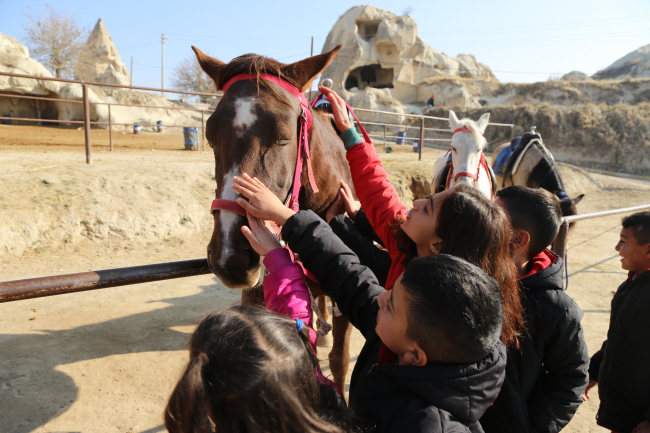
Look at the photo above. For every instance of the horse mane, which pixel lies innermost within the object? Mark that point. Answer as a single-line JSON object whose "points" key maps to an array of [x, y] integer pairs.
{"points": [[545, 174]]}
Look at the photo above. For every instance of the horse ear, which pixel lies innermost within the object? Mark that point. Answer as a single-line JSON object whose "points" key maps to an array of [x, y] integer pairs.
{"points": [[576, 200], [304, 71], [453, 120], [210, 65], [483, 122]]}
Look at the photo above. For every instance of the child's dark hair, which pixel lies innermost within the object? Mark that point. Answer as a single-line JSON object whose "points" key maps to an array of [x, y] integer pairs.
{"points": [[254, 372], [454, 308], [640, 225], [534, 210], [475, 229]]}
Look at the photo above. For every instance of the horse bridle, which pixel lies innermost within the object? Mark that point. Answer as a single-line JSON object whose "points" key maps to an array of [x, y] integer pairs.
{"points": [[304, 133], [474, 177], [305, 120]]}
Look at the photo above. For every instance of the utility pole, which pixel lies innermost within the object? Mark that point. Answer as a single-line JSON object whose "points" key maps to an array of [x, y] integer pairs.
{"points": [[312, 55], [131, 72], [162, 62]]}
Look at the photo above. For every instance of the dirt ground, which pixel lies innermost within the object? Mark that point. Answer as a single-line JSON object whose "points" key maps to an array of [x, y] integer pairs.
{"points": [[107, 360]]}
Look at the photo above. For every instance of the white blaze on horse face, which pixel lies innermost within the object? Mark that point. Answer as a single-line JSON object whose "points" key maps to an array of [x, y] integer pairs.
{"points": [[245, 115], [227, 219]]}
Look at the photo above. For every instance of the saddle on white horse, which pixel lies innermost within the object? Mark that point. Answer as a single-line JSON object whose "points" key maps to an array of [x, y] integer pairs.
{"points": [[506, 163]]}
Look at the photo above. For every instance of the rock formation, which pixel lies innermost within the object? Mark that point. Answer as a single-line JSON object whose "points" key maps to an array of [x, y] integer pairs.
{"points": [[576, 76], [382, 50], [14, 58], [634, 65], [100, 60]]}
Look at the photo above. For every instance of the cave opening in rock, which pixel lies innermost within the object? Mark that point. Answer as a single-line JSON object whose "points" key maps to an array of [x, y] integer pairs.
{"points": [[367, 29], [370, 76]]}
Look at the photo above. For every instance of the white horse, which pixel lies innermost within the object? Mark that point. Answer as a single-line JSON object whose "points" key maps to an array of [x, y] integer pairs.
{"points": [[465, 161]]}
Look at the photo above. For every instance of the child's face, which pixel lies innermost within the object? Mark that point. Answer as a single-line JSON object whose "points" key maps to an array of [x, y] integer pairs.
{"points": [[420, 224], [634, 257], [392, 320]]}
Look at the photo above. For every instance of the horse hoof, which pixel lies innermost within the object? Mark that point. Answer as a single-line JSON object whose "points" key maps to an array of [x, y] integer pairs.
{"points": [[325, 341]]}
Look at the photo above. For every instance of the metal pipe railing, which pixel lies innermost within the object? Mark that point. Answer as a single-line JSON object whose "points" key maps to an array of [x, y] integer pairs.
{"points": [[561, 241], [71, 283]]}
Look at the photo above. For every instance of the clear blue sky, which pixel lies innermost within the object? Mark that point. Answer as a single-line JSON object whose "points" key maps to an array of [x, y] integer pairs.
{"points": [[523, 41]]}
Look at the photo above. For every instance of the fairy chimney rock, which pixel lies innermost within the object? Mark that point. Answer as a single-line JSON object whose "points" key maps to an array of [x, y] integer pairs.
{"points": [[100, 60], [382, 50]]}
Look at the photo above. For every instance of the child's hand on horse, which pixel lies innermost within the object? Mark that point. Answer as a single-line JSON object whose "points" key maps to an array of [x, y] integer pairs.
{"points": [[261, 203], [351, 205], [262, 239], [339, 109]]}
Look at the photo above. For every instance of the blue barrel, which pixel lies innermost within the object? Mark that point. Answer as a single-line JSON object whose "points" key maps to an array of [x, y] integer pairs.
{"points": [[6, 121], [191, 138], [416, 145], [160, 126], [137, 128], [400, 137]]}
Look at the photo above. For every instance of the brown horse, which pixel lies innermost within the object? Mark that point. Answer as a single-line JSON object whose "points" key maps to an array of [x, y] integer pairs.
{"points": [[254, 129]]}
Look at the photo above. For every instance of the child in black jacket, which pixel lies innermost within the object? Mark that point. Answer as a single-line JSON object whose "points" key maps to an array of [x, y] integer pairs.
{"points": [[545, 378], [442, 319], [621, 368]]}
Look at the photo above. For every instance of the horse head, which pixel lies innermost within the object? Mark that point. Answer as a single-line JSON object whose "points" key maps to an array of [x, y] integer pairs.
{"points": [[467, 149], [568, 206], [254, 129]]}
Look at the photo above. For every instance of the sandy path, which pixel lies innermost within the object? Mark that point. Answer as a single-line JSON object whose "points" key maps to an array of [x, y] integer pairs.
{"points": [[106, 360]]}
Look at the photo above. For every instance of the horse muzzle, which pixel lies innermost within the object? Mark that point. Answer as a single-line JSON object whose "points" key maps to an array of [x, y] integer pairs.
{"points": [[239, 270]]}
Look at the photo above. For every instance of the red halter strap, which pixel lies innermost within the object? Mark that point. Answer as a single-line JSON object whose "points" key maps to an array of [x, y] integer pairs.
{"points": [[303, 144]]}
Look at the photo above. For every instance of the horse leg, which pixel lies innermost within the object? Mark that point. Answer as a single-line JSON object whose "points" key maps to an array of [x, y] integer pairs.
{"points": [[325, 340], [339, 356], [253, 297]]}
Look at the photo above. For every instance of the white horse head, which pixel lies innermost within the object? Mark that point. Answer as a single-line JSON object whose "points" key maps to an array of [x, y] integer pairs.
{"points": [[467, 144]]}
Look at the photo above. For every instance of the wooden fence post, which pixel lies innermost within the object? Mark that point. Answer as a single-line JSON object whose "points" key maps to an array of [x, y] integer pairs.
{"points": [[421, 139], [110, 129], [89, 153]]}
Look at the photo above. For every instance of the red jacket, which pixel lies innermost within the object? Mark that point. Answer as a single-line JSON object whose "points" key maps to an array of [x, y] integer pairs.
{"points": [[379, 201]]}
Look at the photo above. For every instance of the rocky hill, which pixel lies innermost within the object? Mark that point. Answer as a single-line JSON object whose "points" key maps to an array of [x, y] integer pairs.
{"points": [[633, 65]]}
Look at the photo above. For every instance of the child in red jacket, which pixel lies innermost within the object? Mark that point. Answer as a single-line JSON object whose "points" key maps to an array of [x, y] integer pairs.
{"points": [[460, 222]]}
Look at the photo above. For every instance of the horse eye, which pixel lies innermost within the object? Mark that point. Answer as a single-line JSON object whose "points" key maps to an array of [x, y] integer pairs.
{"points": [[454, 149], [283, 141]]}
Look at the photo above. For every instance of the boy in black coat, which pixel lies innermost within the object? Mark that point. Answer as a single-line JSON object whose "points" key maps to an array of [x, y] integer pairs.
{"points": [[443, 319], [621, 368], [545, 379]]}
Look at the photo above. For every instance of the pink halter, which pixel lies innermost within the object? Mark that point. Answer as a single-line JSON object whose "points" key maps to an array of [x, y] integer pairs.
{"points": [[303, 145]]}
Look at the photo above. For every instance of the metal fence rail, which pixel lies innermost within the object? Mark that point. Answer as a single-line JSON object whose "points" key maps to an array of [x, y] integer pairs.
{"points": [[61, 284], [70, 283], [88, 123], [561, 246], [86, 107]]}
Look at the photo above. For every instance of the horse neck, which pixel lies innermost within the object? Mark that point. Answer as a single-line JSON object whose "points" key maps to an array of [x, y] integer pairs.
{"points": [[553, 181], [329, 165]]}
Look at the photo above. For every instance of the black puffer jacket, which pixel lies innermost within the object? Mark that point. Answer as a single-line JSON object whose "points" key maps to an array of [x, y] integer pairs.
{"points": [[359, 237], [622, 365], [545, 379], [392, 398]]}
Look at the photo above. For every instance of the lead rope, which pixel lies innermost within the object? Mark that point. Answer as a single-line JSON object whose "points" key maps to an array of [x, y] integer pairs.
{"points": [[566, 269]]}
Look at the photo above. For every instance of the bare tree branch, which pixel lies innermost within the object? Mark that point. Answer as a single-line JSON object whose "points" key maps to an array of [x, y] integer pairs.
{"points": [[189, 76], [55, 39]]}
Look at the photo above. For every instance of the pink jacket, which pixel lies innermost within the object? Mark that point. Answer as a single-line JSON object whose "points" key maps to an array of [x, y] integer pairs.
{"points": [[286, 293]]}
